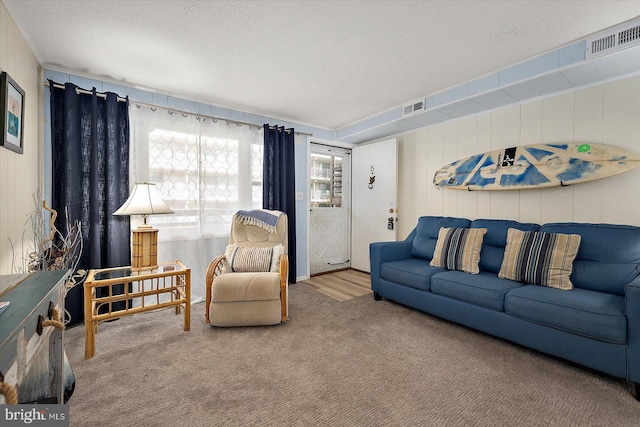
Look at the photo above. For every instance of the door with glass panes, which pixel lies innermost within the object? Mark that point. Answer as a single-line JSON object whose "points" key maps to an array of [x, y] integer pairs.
{"points": [[329, 191]]}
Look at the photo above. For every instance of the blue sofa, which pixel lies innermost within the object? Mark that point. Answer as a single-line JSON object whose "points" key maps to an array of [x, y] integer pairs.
{"points": [[597, 324]]}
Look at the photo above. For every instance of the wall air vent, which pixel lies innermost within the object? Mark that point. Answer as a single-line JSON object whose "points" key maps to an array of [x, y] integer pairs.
{"points": [[614, 39], [413, 108]]}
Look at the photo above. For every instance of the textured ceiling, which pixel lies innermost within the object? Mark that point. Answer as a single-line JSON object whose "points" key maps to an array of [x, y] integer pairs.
{"points": [[322, 63]]}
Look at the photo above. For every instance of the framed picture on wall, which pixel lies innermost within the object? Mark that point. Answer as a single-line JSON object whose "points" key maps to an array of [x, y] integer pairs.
{"points": [[12, 113]]}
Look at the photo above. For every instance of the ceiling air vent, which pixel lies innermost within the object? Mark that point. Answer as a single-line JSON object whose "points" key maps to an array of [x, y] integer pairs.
{"points": [[413, 108], [629, 35], [614, 39]]}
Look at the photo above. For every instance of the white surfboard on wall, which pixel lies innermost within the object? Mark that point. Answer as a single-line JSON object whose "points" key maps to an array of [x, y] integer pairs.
{"points": [[374, 187]]}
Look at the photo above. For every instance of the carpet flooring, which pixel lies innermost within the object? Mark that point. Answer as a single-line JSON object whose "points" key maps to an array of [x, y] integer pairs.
{"points": [[353, 363]]}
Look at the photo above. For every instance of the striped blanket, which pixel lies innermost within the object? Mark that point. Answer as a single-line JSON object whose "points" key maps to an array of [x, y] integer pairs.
{"points": [[262, 218]]}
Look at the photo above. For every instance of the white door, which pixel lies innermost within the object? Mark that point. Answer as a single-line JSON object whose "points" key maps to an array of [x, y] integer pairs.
{"points": [[374, 198], [329, 190]]}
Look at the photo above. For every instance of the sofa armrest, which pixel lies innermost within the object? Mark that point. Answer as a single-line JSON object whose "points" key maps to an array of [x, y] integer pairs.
{"points": [[380, 252], [632, 306]]}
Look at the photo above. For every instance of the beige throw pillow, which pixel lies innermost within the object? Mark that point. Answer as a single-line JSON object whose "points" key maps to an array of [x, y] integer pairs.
{"points": [[251, 259], [540, 258], [459, 249]]}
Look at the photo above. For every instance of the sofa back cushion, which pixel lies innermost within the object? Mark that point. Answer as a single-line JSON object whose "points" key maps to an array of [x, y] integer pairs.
{"points": [[424, 242], [495, 240], [608, 257]]}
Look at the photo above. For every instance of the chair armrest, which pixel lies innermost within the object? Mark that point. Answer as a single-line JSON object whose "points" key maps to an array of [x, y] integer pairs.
{"points": [[214, 269], [284, 288], [632, 306]]}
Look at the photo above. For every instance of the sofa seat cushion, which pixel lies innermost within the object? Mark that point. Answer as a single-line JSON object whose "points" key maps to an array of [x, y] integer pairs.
{"points": [[591, 314], [413, 272], [484, 289]]}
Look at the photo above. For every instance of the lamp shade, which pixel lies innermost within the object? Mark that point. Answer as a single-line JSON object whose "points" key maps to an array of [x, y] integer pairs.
{"points": [[144, 200]]}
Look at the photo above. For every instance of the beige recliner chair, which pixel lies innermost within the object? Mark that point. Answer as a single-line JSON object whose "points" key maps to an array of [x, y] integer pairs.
{"points": [[248, 284]]}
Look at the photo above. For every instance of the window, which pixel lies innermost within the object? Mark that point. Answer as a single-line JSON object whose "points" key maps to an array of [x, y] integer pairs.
{"points": [[326, 180], [205, 170]]}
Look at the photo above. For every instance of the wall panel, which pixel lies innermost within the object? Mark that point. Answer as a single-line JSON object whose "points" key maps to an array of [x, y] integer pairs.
{"points": [[505, 128], [587, 197], [467, 146], [18, 172], [557, 126], [605, 113], [434, 161], [407, 194], [505, 132], [484, 145], [412, 181], [422, 177], [621, 127], [450, 154], [530, 133], [5, 251]]}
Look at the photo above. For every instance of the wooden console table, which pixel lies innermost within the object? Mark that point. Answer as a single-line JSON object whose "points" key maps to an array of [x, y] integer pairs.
{"points": [[167, 286], [32, 357]]}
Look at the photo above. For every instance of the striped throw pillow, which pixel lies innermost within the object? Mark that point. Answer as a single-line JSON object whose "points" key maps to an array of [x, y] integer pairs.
{"points": [[540, 258], [458, 249], [251, 259]]}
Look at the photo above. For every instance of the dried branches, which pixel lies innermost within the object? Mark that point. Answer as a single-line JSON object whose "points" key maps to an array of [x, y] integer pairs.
{"points": [[53, 250], [57, 251]]}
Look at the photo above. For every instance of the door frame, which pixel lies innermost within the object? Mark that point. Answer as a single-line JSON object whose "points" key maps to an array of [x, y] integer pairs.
{"points": [[328, 143]]}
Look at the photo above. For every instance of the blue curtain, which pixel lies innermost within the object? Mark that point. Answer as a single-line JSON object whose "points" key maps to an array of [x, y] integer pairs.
{"points": [[278, 184], [90, 167]]}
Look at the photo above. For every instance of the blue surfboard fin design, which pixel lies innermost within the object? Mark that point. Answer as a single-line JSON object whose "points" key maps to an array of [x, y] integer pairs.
{"points": [[530, 176]]}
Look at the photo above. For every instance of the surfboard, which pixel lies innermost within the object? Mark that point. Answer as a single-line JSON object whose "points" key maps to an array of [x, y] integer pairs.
{"points": [[535, 166]]}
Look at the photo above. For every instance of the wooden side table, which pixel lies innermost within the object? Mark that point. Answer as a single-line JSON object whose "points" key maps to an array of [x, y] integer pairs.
{"points": [[167, 286]]}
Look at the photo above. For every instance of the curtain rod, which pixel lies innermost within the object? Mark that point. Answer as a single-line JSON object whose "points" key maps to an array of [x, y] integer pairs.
{"points": [[175, 110], [83, 91]]}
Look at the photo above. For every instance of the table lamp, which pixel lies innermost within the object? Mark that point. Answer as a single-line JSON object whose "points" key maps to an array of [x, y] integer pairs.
{"points": [[144, 200]]}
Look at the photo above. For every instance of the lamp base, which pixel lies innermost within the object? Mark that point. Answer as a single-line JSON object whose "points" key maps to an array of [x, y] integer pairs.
{"points": [[144, 254]]}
